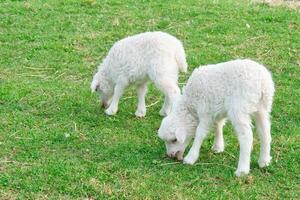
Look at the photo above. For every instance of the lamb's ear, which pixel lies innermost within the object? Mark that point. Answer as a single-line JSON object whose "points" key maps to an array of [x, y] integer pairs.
{"points": [[95, 85], [180, 135]]}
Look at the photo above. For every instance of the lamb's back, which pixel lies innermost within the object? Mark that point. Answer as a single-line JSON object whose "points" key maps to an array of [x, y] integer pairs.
{"points": [[216, 86], [134, 55]]}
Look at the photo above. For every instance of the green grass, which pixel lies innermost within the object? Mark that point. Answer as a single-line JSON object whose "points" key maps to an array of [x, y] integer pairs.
{"points": [[56, 142]]}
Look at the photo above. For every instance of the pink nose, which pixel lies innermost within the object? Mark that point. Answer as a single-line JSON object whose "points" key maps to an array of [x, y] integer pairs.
{"points": [[176, 155], [172, 154]]}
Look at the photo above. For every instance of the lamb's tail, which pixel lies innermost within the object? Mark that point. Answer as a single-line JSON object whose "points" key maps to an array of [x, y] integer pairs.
{"points": [[268, 90], [181, 60]]}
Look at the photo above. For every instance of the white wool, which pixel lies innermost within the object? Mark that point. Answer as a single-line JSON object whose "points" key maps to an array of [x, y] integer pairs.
{"points": [[235, 90], [155, 56]]}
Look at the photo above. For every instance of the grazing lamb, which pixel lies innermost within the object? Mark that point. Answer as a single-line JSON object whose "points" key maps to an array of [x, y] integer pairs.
{"points": [[155, 56], [235, 90]]}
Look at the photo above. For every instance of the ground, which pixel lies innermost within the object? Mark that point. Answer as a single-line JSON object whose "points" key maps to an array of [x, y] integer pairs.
{"points": [[57, 143]]}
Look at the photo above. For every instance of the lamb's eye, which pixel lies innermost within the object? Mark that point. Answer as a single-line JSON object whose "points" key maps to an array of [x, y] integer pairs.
{"points": [[173, 141]]}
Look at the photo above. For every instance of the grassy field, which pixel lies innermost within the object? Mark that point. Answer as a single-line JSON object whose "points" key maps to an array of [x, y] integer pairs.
{"points": [[56, 142]]}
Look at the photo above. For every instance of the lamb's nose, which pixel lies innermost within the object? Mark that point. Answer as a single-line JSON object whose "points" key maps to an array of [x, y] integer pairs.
{"points": [[104, 104], [172, 155]]}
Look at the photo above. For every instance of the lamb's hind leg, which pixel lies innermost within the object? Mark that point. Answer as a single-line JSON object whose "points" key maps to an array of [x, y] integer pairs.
{"points": [[141, 92], [242, 125], [263, 124], [171, 92], [218, 146]]}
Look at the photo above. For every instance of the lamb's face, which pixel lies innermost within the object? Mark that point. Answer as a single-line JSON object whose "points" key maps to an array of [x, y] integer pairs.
{"points": [[175, 137], [105, 96], [103, 88]]}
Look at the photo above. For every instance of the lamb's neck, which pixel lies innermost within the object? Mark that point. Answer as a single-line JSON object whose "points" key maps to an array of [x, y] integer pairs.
{"points": [[185, 113], [106, 74]]}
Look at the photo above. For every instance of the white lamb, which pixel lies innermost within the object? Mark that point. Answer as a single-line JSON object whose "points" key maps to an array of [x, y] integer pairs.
{"points": [[235, 90], [155, 56]]}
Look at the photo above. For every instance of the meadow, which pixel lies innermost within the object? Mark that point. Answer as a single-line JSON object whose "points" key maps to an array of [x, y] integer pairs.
{"points": [[57, 143]]}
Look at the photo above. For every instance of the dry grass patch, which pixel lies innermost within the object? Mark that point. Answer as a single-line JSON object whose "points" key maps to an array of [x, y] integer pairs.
{"points": [[294, 4]]}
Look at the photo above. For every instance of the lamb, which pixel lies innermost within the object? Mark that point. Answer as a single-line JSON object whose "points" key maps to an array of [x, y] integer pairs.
{"points": [[235, 90], [155, 56]]}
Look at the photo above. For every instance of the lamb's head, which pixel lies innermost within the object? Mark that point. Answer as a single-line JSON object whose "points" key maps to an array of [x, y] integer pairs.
{"points": [[103, 86], [175, 135]]}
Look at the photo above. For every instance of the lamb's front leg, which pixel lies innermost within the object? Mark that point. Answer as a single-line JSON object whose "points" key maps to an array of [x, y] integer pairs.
{"points": [[201, 133], [141, 92], [218, 146], [118, 92]]}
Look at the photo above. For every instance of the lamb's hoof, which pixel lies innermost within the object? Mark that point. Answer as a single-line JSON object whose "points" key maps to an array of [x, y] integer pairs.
{"points": [[110, 111], [189, 160], [218, 148], [264, 162], [140, 113], [240, 173]]}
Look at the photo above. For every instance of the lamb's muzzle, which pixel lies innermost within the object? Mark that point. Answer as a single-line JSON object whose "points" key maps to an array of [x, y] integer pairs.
{"points": [[176, 155]]}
